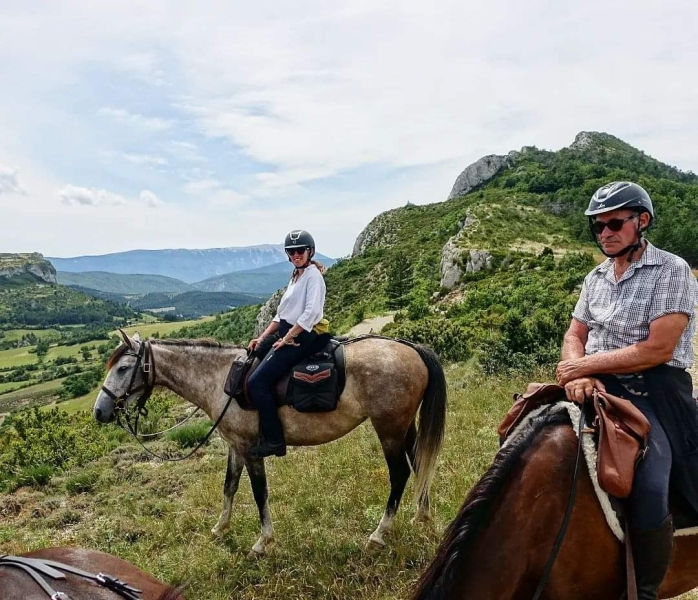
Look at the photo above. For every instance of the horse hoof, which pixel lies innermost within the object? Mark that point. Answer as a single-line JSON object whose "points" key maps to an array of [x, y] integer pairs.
{"points": [[375, 543], [255, 554], [219, 530], [423, 519]]}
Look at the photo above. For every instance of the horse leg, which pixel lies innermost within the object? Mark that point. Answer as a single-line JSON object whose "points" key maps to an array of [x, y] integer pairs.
{"points": [[424, 513], [399, 470], [258, 478], [232, 480]]}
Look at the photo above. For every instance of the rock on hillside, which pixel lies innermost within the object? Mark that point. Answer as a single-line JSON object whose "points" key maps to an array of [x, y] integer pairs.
{"points": [[379, 233], [267, 312], [480, 172], [32, 268]]}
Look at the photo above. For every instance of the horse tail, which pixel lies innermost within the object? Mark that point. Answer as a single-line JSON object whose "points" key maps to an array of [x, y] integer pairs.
{"points": [[432, 423]]}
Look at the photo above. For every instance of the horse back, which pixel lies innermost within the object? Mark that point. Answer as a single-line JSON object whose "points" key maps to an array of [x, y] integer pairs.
{"points": [[16, 585]]}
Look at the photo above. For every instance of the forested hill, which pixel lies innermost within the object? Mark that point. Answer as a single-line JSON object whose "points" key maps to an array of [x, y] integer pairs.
{"points": [[29, 296], [495, 270]]}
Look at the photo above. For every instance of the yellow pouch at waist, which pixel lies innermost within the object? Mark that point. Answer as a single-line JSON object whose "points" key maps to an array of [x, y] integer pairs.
{"points": [[322, 326]]}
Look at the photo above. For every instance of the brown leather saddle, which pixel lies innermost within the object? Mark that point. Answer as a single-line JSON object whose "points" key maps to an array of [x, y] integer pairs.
{"points": [[326, 356]]}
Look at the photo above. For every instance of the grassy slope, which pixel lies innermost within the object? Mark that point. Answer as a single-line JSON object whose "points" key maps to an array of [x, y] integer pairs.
{"points": [[325, 501]]}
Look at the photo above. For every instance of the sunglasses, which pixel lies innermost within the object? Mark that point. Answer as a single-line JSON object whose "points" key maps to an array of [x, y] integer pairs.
{"points": [[292, 251], [613, 225]]}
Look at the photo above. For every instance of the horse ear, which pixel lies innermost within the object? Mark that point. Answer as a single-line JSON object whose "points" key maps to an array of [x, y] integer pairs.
{"points": [[127, 340], [137, 337]]}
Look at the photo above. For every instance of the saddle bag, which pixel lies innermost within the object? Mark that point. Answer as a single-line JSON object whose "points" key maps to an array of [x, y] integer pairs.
{"points": [[622, 430], [623, 434], [235, 380], [313, 387]]}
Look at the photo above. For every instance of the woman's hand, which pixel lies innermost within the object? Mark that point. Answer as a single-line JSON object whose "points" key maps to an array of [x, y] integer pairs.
{"points": [[252, 346], [287, 340]]}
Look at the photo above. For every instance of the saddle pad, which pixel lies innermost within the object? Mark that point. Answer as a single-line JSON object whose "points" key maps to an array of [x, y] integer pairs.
{"points": [[608, 504]]}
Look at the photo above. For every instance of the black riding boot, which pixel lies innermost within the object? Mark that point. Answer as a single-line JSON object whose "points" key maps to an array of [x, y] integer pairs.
{"points": [[652, 555]]}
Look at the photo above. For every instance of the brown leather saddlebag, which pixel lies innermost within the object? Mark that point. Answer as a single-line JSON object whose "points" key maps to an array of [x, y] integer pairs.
{"points": [[623, 435], [623, 432]]}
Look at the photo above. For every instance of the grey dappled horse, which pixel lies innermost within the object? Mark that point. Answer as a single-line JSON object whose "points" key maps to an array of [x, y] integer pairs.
{"points": [[387, 381]]}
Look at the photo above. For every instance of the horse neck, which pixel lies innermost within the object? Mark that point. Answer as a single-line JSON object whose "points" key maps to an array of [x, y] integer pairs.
{"points": [[196, 373]]}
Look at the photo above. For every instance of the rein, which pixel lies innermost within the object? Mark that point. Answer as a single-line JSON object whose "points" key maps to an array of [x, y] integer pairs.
{"points": [[145, 361], [568, 512], [35, 568]]}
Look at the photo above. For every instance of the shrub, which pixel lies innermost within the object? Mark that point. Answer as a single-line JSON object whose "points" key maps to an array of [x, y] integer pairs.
{"points": [[82, 482], [447, 338], [33, 476], [190, 435]]}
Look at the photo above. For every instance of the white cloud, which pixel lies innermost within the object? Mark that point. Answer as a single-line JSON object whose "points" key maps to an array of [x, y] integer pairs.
{"points": [[143, 66], [124, 116], [150, 199], [145, 159], [9, 181], [72, 195]]}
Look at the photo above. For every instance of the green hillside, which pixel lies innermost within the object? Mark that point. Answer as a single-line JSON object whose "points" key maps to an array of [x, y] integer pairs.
{"points": [[528, 221]]}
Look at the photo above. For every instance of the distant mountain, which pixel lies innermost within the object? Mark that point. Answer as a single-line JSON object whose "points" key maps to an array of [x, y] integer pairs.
{"points": [[117, 283], [263, 280], [190, 304], [187, 265]]}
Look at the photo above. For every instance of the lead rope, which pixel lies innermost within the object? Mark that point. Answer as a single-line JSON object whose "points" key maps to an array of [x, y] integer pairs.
{"points": [[568, 512]]}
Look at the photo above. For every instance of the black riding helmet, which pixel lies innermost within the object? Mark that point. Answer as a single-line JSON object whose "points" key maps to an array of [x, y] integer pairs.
{"points": [[617, 195], [300, 238]]}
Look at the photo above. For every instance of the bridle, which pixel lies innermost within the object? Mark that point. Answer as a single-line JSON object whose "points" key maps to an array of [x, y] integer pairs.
{"points": [[145, 362]]}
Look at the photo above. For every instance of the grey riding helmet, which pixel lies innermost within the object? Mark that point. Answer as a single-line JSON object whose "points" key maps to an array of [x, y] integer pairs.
{"points": [[620, 194], [300, 238]]}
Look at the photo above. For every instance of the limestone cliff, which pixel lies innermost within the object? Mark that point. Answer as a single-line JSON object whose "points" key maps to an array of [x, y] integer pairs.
{"points": [[30, 268]]}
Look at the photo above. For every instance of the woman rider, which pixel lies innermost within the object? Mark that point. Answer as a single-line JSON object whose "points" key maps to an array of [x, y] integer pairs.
{"points": [[300, 311]]}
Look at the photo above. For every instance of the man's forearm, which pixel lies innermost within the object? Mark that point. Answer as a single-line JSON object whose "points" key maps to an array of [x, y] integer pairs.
{"points": [[637, 357], [572, 347]]}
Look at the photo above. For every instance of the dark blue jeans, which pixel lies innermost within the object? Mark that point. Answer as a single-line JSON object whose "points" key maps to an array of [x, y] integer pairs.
{"points": [[649, 499], [275, 364]]}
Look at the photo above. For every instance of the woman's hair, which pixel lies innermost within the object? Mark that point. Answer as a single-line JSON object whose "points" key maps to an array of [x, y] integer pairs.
{"points": [[318, 264]]}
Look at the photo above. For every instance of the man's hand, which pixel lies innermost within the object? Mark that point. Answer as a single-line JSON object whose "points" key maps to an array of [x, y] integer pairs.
{"points": [[570, 369], [579, 389]]}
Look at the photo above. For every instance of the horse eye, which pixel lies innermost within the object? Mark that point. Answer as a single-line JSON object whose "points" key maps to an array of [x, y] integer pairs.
{"points": [[122, 369]]}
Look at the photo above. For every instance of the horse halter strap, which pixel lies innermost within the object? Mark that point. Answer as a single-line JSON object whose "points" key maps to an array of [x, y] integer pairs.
{"points": [[35, 568], [144, 362]]}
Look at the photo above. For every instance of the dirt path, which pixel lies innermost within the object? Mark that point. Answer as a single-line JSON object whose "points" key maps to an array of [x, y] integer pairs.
{"points": [[372, 325]]}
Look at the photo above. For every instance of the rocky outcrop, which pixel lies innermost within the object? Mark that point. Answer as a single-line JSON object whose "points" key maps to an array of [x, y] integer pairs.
{"points": [[31, 267], [379, 233], [479, 172], [267, 312], [455, 258]]}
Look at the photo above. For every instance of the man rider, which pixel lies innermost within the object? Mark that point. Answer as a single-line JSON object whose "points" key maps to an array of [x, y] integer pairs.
{"points": [[631, 334]]}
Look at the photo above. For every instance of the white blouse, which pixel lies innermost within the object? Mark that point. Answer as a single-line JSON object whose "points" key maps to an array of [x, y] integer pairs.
{"points": [[304, 300]]}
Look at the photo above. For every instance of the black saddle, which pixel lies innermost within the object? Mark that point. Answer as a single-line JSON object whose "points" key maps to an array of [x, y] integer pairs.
{"points": [[313, 385]]}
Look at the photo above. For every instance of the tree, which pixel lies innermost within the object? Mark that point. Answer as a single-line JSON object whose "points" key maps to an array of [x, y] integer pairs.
{"points": [[42, 347], [86, 354], [399, 282]]}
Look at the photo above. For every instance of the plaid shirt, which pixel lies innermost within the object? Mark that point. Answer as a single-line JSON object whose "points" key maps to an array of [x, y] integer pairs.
{"points": [[618, 313]]}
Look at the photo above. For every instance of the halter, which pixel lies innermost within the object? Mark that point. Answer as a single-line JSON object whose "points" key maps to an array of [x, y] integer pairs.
{"points": [[145, 361], [48, 568]]}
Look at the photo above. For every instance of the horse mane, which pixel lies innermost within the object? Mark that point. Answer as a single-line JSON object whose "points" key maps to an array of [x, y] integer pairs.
{"points": [[434, 584], [189, 343]]}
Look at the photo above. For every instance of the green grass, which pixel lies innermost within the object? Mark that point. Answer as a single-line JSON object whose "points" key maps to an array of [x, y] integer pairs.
{"points": [[325, 501]]}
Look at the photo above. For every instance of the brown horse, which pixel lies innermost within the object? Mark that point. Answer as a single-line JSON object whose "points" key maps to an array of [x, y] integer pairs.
{"points": [[387, 381], [16, 584], [497, 546]]}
